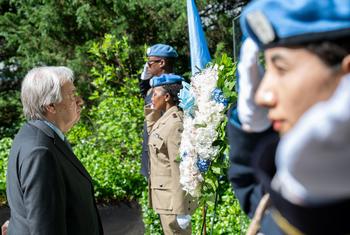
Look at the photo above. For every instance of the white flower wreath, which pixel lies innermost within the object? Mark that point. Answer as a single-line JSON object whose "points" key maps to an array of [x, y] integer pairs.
{"points": [[204, 110]]}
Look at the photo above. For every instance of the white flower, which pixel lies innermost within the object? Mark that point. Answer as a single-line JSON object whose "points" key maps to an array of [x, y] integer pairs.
{"points": [[200, 131]]}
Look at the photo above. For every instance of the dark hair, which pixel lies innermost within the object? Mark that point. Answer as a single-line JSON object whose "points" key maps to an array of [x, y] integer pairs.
{"points": [[332, 52], [173, 90]]}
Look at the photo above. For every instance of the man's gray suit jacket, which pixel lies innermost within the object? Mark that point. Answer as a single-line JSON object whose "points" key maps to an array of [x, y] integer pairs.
{"points": [[48, 189]]}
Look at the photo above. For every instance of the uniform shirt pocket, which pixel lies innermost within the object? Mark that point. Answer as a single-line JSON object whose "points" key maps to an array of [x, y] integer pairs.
{"points": [[157, 141], [162, 162], [162, 197]]}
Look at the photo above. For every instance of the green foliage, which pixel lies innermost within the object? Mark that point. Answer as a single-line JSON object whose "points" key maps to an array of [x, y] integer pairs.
{"points": [[59, 32], [111, 69], [5, 145], [228, 218], [150, 217], [10, 108], [56, 32], [227, 74], [49, 32], [108, 139]]}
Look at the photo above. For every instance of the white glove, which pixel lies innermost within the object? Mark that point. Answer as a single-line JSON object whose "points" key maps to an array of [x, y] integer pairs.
{"points": [[4, 227], [145, 75], [253, 117], [183, 221], [313, 158]]}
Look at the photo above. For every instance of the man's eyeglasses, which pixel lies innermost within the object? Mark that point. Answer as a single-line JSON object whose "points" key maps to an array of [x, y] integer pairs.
{"points": [[150, 62]]}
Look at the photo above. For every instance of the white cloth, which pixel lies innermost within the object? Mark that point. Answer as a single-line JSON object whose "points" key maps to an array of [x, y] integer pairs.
{"points": [[183, 221], [253, 117], [145, 75], [313, 159]]}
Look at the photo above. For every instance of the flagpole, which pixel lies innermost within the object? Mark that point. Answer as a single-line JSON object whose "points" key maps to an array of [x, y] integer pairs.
{"points": [[199, 51]]}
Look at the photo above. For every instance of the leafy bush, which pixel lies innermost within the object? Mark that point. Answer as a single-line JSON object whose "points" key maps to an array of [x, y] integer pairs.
{"points": [[150, 217], [5, 145], [108, 139], [11, 115], [226, 218], [62, 38]]}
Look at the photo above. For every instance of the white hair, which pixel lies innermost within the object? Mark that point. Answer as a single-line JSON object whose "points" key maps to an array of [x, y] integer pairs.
{"points": [[42, 87]]}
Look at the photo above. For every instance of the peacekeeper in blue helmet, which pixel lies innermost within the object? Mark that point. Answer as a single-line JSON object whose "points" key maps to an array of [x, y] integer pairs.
{"points": [[161, 59], [307, 55], [165, 125]]}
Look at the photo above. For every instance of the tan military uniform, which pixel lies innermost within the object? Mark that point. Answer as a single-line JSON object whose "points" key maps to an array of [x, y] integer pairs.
{"points": [[166, 196]]}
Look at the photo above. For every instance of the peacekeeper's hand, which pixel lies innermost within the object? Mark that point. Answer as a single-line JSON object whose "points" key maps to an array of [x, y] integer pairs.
{"points": [[307, 146], [144, 83], [253, 117], [145, 75], [4, 228]]}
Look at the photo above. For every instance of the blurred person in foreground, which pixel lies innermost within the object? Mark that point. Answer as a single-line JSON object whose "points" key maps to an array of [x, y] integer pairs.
{"points": [[48, 189], [161, 59], [307, 55], [166, 196]]}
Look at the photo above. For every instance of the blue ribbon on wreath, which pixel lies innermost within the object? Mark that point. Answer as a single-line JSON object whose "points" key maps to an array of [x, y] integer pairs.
{"points": [[218, 96], [186, 98], [203, 165]]}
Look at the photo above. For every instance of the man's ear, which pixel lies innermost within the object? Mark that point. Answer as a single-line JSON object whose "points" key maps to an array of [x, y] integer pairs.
{"points": [[50, 108], [162, 63], [345, 65]]}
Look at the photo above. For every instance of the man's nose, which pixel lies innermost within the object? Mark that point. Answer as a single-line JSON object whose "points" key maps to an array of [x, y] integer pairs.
{"points": [[80, 101]]}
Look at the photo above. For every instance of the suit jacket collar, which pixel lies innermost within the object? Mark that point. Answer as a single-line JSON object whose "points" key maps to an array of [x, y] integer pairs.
{"points": [[56, 129], [61, 146]]}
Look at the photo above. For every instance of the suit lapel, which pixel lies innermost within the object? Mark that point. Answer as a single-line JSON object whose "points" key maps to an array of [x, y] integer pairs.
{"points": [[71, 157], [61, 146]]}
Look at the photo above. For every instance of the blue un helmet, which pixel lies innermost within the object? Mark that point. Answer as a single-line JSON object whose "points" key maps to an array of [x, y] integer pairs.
{"points": [[272, 23], [165, 79], [162, 50]]}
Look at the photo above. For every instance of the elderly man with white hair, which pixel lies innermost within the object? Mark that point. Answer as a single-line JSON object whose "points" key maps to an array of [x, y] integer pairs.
{"points": [[48, 189]]}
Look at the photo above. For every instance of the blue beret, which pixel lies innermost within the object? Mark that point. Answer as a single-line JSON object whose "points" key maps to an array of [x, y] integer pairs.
{"points": [[165, 79], [273, 23], [162, 50]]}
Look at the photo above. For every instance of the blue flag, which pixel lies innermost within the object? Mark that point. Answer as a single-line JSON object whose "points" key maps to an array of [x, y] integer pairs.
{"points": [[198, 45]]}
